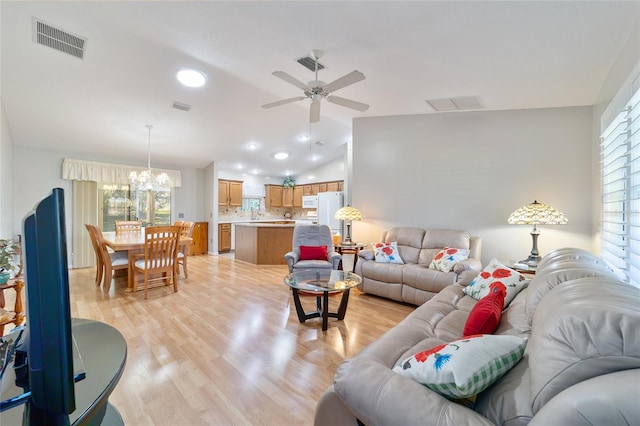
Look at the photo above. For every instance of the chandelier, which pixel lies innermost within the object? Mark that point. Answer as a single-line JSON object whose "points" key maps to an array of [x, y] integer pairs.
{"points": [[147, 180]]}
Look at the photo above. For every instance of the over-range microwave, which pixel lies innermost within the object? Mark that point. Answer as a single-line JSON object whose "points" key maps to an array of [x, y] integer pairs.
{"points": [[310, 202]]}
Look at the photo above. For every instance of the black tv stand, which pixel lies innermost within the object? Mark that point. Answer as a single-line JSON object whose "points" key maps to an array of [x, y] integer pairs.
{"points": [[104, 354]]}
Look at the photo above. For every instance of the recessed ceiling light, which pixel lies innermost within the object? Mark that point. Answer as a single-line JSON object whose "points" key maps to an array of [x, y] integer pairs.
{"points": [[252, 146], [280, 155], [314, 158], [191, 78], [303, 138], [239, 166]]}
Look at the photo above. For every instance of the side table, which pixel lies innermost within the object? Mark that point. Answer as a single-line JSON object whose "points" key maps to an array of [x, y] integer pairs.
{"points": [[353, 249]]}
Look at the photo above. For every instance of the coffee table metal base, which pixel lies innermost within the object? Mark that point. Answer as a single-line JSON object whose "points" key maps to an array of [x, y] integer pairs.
{"points": [[322, 303]]}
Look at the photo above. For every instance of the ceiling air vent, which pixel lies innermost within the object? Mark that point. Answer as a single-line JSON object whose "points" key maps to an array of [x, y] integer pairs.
{"points": [[56, 38], [456, 104], [310, 63], [181, 106]]}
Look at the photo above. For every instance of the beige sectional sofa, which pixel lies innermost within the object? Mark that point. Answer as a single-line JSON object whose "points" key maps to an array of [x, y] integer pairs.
{"points": [[581, 365], [413, 282]]}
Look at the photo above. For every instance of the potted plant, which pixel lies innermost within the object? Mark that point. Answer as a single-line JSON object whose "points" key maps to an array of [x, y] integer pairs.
{"points": [[289, 182], [8, 251]]}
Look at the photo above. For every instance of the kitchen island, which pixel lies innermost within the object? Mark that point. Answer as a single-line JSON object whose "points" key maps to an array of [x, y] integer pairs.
{"points": [[263, 243]]}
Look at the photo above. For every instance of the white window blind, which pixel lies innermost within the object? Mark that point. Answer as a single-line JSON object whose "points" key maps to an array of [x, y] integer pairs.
{"points": [[620, 164]]}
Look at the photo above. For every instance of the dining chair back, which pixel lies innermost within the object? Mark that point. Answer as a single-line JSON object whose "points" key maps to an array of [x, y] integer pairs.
{"points": [[93, 234], [107, 261], [159, 257], [128, 226], [186, 230]]}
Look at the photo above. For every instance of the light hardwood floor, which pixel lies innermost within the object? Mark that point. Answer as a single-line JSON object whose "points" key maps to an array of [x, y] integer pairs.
{"points": [[227, 349]]}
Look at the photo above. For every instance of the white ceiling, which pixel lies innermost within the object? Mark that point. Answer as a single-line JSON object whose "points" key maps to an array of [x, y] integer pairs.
{"points": [[511, 54]]}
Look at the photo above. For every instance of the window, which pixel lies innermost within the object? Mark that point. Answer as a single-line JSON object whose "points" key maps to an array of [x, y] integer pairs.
{"points": [[125, 202], [620, 165], [251, 204]]}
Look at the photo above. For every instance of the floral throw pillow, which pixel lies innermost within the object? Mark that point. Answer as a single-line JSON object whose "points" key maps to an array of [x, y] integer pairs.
{"points": [[387, 252], [496, 275], [447, 257], [465, 367]]}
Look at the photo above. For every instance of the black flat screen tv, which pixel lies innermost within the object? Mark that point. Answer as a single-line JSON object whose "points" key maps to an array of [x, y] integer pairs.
{"points": [[49, 342]]}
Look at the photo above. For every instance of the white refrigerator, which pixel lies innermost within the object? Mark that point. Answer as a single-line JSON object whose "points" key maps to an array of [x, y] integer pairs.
{"points": [[328, 204]]}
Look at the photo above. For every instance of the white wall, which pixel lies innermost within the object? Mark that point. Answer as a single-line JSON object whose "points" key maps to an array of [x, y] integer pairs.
{"points": [[6, 177], [334, 170], [470, 170]]}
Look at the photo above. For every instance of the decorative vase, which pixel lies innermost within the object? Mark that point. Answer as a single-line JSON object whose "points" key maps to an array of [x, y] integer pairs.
{"points": [[4, 277]]}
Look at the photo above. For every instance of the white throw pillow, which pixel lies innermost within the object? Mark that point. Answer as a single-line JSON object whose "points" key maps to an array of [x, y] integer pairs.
{"points": [[446, 258], [387, 252], [495, 274], [465, 367]]}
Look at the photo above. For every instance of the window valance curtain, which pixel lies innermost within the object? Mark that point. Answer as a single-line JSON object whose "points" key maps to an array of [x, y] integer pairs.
{"points": [[109, 173]]}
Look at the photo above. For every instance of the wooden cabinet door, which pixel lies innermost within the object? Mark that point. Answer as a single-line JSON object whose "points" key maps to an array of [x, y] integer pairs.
{"points": [[235, 193], [287, 197], [297, 196], [223, 193], [315, 188], [224, 237], [322, 187], [332, 186], [341, 185], [274, 196], [200, 236], [306, 190]]}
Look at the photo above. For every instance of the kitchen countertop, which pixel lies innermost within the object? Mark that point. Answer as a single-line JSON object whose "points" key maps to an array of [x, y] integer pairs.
{"points": [[266, 224], [260, 221]]}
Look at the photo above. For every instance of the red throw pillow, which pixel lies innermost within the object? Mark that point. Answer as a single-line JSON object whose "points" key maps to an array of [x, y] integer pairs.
{"points": [[313, 252], [485, 315]]}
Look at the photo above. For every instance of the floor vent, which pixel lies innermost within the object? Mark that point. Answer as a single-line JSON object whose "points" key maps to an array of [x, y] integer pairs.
{"points": [[309, 63], [456, 104], [56, 38], [181, 106]]}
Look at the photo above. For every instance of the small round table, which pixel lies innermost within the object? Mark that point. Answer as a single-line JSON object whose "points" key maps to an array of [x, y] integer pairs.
{"points": [[322, 282]]}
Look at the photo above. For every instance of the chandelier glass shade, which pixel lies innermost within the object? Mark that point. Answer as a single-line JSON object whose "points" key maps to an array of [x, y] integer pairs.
{"points": [[536, 214], [148, 180]]}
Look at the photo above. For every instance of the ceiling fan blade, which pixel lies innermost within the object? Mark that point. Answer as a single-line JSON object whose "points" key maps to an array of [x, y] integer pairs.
{"points": [[359, 106], [284, 101], [345, 80], [314, 116], [291, 80]]}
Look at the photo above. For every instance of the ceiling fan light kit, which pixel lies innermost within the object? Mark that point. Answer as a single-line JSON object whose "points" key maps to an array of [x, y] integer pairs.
{"points": [[316, 90]]}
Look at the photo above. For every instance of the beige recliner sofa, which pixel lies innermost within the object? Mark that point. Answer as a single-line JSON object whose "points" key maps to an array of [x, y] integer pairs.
{"points": [[413, 282], [581, 365]]}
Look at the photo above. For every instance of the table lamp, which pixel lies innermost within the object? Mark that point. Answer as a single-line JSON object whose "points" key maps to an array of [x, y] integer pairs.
{"points": [[536, 214], [348, 214]]}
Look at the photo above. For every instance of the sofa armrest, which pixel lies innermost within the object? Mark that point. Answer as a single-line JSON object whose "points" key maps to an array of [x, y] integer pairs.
{"points": [[468, 265], [292, 258], [378, 396], [367, 254]]}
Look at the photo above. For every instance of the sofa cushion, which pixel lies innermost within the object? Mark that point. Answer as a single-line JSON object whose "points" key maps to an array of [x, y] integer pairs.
{"points": [[464, 367], [485, 315], [495, 274], [446, 258], [582, 329], [422, 278], [387, 252]]}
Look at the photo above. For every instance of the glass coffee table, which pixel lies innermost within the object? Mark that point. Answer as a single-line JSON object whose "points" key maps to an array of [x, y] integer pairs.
{"points": [[321, 283]]}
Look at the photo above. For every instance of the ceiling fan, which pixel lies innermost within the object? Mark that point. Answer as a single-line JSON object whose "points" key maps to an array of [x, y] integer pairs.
{"points": [[317, 90]]}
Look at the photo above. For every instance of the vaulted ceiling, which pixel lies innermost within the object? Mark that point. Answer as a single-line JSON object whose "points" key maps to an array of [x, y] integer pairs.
{"points": [[509, 54]]}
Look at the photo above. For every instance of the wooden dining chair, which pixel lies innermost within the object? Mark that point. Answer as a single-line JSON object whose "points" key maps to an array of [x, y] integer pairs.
{"points": [[186, 230], [128, 226], [178, 223], [109, 261], [159, 257], [93, 234]]}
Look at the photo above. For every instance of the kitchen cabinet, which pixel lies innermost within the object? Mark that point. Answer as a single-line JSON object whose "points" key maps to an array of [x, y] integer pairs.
{"points": [[306, 190], [224, 237], [230, 193], [200, 237], [322, 187], [274, 196], [315, 188], [333, 186], [297, 196], [287, 197]]}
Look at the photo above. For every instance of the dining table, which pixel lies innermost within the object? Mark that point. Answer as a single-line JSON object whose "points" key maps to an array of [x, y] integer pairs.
{"points": [[133, 243]]}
